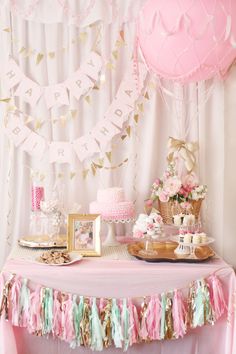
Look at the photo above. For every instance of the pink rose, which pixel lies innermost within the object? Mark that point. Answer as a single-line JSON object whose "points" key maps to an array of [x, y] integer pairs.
{"points": [[138, 234], [166, 175], [149, 202], [190, 181], [172, 186], [184, 192], [158, 219], [150, 227], [163, 196], [157, 182]]}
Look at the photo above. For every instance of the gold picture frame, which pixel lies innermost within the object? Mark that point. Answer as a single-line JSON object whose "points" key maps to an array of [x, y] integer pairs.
{"points": [[83, 234]]}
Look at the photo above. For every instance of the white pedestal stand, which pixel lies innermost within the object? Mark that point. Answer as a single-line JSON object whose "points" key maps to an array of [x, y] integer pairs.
{"points": [[111, 234]]}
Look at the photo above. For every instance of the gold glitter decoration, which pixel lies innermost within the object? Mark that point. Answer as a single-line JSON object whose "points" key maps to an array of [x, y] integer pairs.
{"points": [[106, 323], [169, 318], [5, 302], [85, 325]]}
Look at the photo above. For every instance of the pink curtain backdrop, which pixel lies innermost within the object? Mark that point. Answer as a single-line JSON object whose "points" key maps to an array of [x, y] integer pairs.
{"points": [[106, 278]]}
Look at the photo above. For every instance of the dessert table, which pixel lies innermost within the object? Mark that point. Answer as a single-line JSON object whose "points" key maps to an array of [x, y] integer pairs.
{"points": [[117, 274]]}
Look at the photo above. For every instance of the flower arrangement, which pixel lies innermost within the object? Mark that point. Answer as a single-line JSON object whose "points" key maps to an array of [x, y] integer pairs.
{"points": [[148, 225], [171, 188]]}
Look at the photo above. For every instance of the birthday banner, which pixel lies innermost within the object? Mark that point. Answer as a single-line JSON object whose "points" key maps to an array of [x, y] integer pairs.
{"points": [[87, 145], [55, 95]]}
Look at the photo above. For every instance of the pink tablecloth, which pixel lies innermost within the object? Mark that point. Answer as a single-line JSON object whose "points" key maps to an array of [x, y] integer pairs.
{"points": [[124, 278]]}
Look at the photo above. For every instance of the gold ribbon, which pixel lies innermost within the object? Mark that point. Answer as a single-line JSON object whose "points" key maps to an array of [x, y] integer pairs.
{"points": [[185, 150]]}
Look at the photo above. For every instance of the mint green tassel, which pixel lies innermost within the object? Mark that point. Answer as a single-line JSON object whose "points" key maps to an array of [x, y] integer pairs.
{"points": [[125, 324], [47, 307], [97, 335], [198, 309], [116, 326], [202, 311], [79, 319], [77, 316], [24, 303], [163, 316]]}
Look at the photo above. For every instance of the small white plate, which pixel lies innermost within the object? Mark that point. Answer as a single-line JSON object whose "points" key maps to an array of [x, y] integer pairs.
{"points": [[75, 257]]}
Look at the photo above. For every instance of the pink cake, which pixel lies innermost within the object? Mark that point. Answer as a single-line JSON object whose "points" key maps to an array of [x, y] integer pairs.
{"points": [[111, 204]]}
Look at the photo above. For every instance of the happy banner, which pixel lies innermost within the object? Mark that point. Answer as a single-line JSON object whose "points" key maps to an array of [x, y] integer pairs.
{"points": [[87, 145], [55, 95]]}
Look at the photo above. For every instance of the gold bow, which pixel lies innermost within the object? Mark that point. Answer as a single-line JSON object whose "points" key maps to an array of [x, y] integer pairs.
{"points": [[185, 150]]}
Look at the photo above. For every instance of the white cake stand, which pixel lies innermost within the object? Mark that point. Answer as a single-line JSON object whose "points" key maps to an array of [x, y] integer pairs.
{"points": [[111, 234]]}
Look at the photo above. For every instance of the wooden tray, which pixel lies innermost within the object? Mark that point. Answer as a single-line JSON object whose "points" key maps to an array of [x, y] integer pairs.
{"points": [[43, 241], [166, 253]]}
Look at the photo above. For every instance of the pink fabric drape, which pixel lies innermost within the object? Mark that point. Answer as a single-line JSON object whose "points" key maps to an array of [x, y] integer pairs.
{"points": [[106, 278]]}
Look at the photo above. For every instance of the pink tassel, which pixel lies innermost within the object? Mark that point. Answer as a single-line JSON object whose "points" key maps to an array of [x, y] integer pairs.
{"points": [[57, 315], [179, 314], [153, 318], [24, 308], [67, 324], [35, 320], [216, 296], [14, 300], [134, 323], [101, 304]]}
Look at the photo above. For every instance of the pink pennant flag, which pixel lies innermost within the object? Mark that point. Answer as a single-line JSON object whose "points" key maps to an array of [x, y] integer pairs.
{"points": [[127, 91], [29, 91], [85, 146], [61, 152], [16, 130], [92, 66], [56, 95], [35, 145], [79, 84], [118, 112], [104, 131], [12, 75]]}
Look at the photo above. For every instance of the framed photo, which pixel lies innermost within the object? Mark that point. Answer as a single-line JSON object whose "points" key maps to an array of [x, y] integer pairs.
{"points": [[84, 234]]}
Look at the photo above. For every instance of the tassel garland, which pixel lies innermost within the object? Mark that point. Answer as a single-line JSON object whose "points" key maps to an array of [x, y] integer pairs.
{"points": [[99, 323]]}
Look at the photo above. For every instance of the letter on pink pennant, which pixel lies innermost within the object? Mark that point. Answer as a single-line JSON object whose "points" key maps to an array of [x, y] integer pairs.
{"points": [[85, 146], [92, 66], [12, 75], [29, 91], [78, 84], [60, 152], [118, 112], [34, 144], [56, 95], [16, 130], [127, 91], [104, 131]]}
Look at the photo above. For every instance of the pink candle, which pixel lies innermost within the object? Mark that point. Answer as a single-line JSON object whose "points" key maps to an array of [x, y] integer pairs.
{"points": [[37, 194]]}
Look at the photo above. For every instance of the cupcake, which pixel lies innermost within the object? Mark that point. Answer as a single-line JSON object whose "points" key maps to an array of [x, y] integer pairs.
{"points": [[188, 238], [196, 239]]}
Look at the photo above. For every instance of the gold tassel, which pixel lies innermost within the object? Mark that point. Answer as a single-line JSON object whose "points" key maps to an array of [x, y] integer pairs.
{"points": [[85, 324], [169, 318], [191, 300], [5, 302], [106, 323]]}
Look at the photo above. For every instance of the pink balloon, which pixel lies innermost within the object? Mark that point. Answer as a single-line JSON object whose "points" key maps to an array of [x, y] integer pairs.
{"points": [[188, 40]]}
